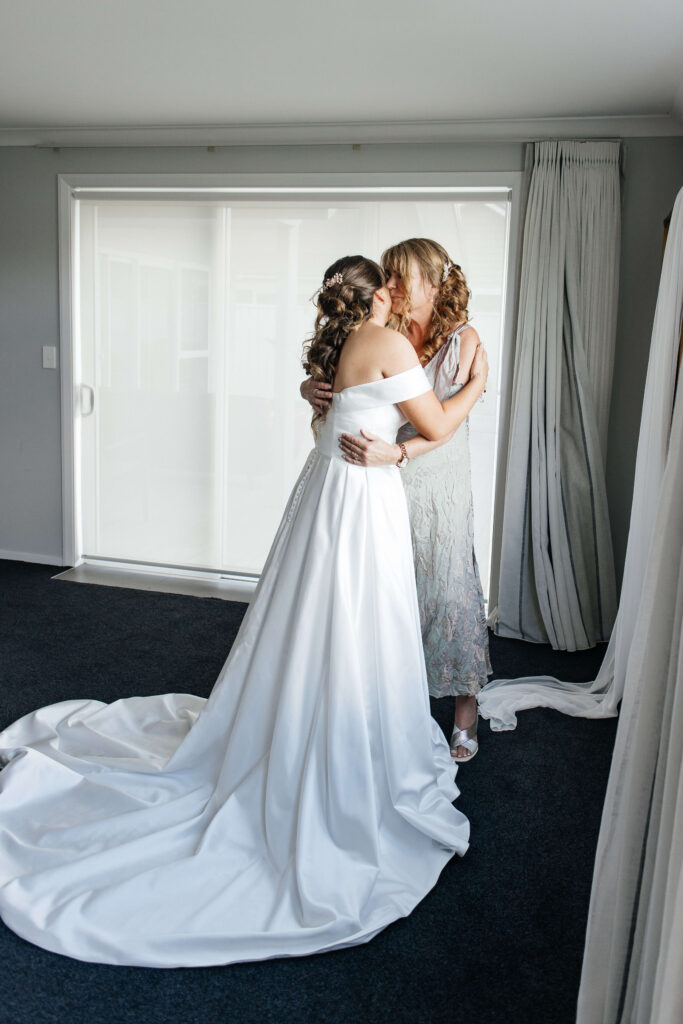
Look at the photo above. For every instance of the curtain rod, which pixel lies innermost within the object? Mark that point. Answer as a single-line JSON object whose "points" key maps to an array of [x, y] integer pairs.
{"points": [[593, 139]]}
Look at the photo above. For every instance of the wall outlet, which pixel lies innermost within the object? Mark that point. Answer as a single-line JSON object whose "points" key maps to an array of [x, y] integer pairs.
{"points": [[49, 357]]}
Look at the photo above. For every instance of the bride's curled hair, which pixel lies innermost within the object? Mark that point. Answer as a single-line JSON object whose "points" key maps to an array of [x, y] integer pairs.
{"points": [[344, 302]]}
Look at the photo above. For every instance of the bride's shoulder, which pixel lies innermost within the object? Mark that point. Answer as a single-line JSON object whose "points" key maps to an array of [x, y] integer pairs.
{"points": [[396, 352]]}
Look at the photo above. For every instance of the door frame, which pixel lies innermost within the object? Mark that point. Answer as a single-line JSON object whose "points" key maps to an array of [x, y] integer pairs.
{"points": [[74, 186]]}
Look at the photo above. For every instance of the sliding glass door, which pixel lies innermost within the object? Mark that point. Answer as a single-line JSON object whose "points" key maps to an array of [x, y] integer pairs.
{"points": [[191, 316]]}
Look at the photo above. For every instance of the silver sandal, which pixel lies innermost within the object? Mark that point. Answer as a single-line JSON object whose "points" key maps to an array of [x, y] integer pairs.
{"points": [[465, 738]]}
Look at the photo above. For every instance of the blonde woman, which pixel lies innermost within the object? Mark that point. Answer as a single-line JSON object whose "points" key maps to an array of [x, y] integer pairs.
{"points": [[429, 304]]}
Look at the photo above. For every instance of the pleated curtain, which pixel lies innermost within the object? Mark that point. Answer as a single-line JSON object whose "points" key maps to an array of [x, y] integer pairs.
{"points": [[502, 698], [633, 962], [557, 581]]}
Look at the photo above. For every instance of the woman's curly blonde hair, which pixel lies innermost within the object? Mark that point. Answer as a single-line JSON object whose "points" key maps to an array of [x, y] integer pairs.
{"points": [[450, 304], [344, 302]]}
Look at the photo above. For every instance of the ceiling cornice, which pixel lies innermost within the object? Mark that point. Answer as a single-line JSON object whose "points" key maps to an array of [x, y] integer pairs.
{"points": [[348, 133]]}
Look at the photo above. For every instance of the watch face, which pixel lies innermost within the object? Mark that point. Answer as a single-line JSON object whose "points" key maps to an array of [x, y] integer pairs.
{"points": [[403, 462]]}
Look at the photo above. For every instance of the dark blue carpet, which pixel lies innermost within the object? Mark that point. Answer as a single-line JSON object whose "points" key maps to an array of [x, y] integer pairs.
{"points": [[500, 937]]}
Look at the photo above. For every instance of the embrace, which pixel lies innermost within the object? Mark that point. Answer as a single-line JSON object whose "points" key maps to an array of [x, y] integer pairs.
{"points": [[429, 298], [308, 802]]}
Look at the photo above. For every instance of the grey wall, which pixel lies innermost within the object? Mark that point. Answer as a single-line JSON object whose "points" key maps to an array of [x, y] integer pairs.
{"points": [[30, 452]]}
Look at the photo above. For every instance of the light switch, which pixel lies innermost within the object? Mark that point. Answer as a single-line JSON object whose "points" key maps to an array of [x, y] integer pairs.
{"points": [[49, 357]]}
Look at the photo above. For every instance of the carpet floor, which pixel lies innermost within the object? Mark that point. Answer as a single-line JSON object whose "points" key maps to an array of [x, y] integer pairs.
{"points": [[499, 938]]}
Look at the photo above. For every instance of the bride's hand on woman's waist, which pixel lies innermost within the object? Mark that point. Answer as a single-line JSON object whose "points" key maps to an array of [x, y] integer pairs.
{"points": [[480, 365], [368, 450], [317, 393]]}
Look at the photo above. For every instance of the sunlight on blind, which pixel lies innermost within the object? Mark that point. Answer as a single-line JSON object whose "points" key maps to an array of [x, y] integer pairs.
{"points": [[192, 320]]}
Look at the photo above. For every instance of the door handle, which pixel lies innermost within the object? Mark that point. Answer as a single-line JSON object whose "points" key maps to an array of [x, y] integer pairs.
{"points": [[86, 389]]}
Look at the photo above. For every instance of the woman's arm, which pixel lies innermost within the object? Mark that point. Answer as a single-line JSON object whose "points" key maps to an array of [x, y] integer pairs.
{"points": [[430, 417], [371, 450], [469, 339], [434, 419], [419, 445]]}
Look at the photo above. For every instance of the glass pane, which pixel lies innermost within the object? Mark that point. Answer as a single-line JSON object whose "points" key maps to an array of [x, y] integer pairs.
{"points": [[193, 317]]}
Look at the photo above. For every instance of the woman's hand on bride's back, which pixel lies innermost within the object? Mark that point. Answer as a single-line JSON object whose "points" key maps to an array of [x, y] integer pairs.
{"points": [[317, 393], [368, 450]]}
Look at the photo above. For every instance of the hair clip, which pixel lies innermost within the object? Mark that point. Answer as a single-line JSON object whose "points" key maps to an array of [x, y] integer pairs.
{"points": [[447, 267], [335, 279]]}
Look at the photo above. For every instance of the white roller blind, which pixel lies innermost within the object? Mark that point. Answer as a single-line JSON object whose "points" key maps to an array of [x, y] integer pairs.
{"points": [[192, 317]]}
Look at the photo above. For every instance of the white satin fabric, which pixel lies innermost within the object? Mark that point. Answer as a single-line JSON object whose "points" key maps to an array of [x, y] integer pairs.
{"points": [[634, 941], [304, 806]]}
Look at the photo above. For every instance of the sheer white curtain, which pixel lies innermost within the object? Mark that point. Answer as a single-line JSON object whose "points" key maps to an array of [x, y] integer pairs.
{"points": [[634, 943], [501, 698], [557, 581]]}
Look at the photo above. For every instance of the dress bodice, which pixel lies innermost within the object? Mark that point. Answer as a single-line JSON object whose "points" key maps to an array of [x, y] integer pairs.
{"points": [[371, 406]]}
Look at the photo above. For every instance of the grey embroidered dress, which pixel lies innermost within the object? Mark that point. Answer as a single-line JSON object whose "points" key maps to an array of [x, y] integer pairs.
{"points": [[438, 489]]}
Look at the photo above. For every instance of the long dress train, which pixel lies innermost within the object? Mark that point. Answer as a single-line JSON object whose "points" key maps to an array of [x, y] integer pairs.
{"points": [[304, 806]]}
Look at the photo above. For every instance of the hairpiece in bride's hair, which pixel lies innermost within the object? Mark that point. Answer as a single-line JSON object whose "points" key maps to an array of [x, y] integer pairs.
{"points": [[447, 267], [335, 279]]}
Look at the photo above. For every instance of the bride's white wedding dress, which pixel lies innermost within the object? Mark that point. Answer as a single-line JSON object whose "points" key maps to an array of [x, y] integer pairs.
{"points": [[302, 807]]}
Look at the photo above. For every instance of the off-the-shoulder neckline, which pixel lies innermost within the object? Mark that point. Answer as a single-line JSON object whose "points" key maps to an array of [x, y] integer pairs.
{"points": [[365, 384]]}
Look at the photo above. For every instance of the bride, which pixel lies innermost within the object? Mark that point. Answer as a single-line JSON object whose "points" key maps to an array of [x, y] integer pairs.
{"points": [[308, 802]]}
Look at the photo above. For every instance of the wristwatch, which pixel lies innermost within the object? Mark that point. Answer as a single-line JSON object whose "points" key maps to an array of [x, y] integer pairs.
{"points": [[403, 461]]}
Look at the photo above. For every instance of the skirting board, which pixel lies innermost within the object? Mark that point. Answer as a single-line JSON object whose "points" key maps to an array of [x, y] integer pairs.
{"points": [[31, 556]]}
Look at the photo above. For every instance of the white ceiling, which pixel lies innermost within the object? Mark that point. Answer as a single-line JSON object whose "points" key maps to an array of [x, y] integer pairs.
{"points": [[220, 70]]}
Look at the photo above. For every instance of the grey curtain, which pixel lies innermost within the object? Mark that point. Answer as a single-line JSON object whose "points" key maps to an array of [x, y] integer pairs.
{"points": [[501, 699], [557, 582]]}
